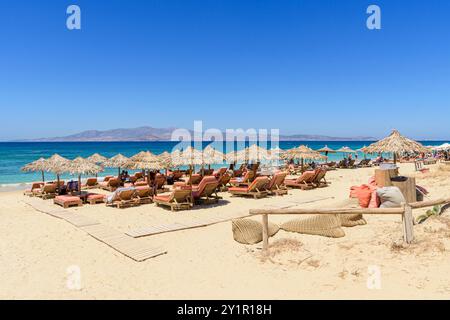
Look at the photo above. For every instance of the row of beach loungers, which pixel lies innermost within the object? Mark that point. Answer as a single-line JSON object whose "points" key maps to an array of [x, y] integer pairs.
{"points": [[197, 189]]}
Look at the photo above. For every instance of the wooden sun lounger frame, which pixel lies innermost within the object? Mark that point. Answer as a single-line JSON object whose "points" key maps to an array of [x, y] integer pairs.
{"points": [[121, 204], [174, 205]]}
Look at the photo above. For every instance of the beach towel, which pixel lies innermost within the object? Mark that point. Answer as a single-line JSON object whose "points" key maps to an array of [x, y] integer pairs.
{"points": [[249, 231], [321, 225], [391, 197]]}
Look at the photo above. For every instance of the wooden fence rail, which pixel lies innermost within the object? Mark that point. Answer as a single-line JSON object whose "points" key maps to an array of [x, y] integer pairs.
{"points": [[405, 211]]}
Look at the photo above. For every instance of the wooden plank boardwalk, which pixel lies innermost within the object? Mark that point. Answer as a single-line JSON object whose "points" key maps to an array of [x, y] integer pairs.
{"points": [[203, 222], [128, 246]]}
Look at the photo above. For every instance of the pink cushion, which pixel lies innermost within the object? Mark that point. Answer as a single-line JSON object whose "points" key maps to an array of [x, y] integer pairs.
{"points": [[67, 198], [240, 189], [94, 196], [162, 198]]}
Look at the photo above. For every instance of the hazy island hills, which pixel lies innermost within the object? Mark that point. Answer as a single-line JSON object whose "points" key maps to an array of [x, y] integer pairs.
{"points": [[165, 134]]}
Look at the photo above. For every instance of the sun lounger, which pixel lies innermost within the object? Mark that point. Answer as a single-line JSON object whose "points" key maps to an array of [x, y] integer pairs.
{"points": [[276, 185], [205, 190], [160, 181], [121, 198], [179, 199], [67, 201], [223, 181], [91, 183], [139, 184], [176, 175], [256, 189], [144, 195], [319, 180], [193, 180], [248, 177], [220, 172], [47, 191], [94, 198], [303, 182], [110, 185], [35, 186]]}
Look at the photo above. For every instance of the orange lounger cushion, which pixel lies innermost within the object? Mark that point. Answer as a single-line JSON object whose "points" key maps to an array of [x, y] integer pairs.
{"points": [[240, 189], [67, 198], [162, 198]]}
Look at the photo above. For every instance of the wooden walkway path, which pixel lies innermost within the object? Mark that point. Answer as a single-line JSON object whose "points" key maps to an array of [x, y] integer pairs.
{"points": [[128, 246], [203, 222]]}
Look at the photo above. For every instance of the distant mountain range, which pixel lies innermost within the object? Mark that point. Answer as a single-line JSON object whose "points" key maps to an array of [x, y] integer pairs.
{"points": [[165, 134]]}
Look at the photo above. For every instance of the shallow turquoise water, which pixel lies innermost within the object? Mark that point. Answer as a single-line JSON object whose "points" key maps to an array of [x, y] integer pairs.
{"points": [[14, 155]]}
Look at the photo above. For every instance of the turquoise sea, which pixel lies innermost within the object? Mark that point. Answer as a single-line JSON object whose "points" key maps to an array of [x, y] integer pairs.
{"points": [[14, 155]]}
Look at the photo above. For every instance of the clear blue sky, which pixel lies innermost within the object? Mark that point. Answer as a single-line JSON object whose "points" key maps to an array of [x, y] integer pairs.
{"points": [[303, 66]]}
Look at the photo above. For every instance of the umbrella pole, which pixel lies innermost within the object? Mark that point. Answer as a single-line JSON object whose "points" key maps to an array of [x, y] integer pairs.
{"points": [[57, 181], [118, 175], [303, 165], [79, 183], [43, 178], [395, 158]]}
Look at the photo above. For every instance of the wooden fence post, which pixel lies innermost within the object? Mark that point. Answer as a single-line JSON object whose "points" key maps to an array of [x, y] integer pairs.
{"points": [[408, 224], [265, 231]]}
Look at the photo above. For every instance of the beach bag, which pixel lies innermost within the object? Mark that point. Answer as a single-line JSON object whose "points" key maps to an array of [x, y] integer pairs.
{"points": [[363, 193], [321, 225], [391, 197], [247, 231]]}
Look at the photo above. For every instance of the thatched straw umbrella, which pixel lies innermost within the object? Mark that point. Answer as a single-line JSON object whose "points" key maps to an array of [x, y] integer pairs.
{"points": [[212, 156], [276, 153], [36, 166], [145, 161], [165, 160], [81, 166], [345, 150], [397, 144], [97, 158], [303, 153], [118, 161], [57, 165], [326, 150], [253, 153]]}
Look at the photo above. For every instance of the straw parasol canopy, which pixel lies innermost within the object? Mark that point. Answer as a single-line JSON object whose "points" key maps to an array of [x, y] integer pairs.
{"points": [[252, 153], [144, 161], [57, 165], [165, 159], [118, 161], [212, 156], [303, 153], [81, 166], [191, 156], [276, 153], [346, 150], [326, 150], [97, 158], [36, 166], [397, 144]]}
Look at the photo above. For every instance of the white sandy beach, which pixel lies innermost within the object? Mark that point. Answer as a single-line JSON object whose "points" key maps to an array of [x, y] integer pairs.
{"points": [[206, 263]]}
